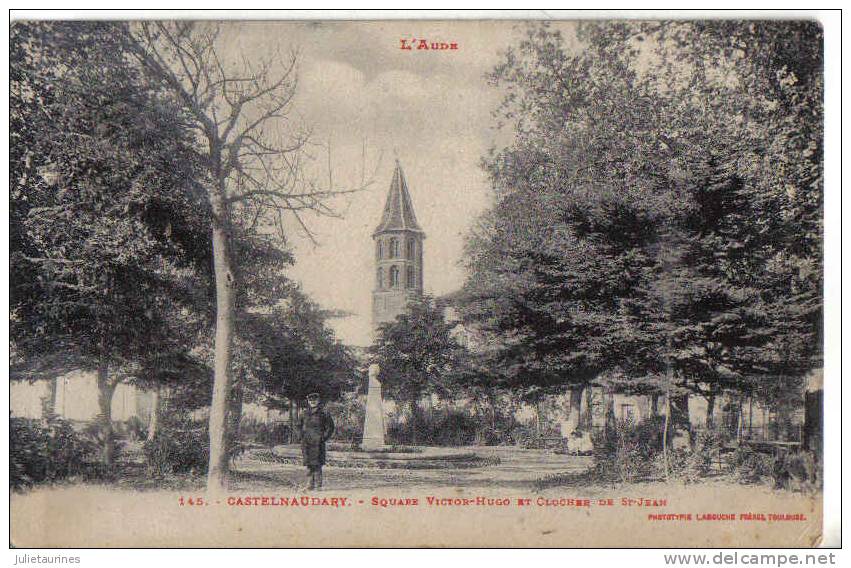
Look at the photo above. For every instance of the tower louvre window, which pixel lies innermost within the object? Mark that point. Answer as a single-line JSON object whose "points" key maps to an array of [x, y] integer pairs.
{"points": [[379, 248], [411, 277], [412, 249], [394, 247], [394, 276]]}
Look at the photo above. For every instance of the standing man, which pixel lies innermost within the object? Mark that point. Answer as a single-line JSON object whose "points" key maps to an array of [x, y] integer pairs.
{"points": [[316, 428]]}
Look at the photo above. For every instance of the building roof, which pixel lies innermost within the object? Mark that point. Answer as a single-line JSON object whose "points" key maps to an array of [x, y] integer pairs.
{"points": [[399, 209]]}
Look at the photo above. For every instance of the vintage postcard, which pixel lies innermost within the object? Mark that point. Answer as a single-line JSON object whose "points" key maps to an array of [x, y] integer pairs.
{"points": [[417, 283]]}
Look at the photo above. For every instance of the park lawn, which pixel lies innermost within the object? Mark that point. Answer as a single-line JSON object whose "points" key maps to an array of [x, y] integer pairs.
{"points": [[377, 509]]}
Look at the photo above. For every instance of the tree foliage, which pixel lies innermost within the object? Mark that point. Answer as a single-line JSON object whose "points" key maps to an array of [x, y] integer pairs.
{"points": [[302, 352], [417, 353], [658, 210], [109, 234], [254, 156]]}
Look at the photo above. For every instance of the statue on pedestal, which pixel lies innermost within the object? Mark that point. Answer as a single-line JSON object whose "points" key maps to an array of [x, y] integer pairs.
{"points": [[373, 425]]}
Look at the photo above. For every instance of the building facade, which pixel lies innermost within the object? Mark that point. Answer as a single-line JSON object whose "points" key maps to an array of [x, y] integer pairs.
{"points": [[76, 399]]}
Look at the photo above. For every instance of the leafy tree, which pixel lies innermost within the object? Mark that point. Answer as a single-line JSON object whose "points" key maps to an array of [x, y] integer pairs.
{"points": [[109, 236], [417, 355], [303, 353], [180, 381], [747, 155], [284, 352], [642, 233], [556, 266], [254, 158]]}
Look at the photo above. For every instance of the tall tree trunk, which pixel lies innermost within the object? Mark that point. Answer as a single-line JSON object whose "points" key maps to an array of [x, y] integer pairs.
{"points": [[587, 421], [574, 409], [292, 411], [710, 411], [610, 413], [297, 413], [538, 418], [782, 425], [764, 421], [48, 406], [813, 422], [680, 411], [680, 417], [750, 417], [237, 396], [225, 281], [154, 422], [666, 428], [426, 409], [492, 397], [414, 420], [654, 405], [740, 420], [666, 431], [106, 389]]}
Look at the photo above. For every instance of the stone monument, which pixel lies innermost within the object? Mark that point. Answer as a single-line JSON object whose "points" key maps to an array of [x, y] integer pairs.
{"points": [[373, 424]]}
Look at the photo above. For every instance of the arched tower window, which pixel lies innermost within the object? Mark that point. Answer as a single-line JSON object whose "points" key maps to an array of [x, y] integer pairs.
{"points": [[394, 276], [412, 249], [394, 247], [379, 249], [411, 277], [379, 278]]}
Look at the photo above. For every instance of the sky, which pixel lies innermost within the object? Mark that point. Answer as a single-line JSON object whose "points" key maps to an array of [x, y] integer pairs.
{"points": [[374, 103]]}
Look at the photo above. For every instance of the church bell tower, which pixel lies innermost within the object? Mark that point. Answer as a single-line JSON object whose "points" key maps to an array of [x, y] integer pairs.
{"points": [[398, 241]]}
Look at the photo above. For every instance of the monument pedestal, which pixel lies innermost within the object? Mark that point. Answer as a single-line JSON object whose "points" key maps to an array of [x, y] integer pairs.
{"points": [[373, 426]]}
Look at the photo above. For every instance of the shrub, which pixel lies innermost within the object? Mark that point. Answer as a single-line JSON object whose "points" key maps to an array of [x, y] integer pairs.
{"points": [[633, 451], [630, 451], [499, 426], [443, 428], [751, 466], [530, 437], [92, 432], [797, 471], [696, 462], [348, 414], [448, 425], [133, 429], [499, 436], [44, 451], [259, 432], [177, 451]]}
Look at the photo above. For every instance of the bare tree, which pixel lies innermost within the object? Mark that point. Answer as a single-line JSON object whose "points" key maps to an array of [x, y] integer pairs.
{"points": [[255, 158]]}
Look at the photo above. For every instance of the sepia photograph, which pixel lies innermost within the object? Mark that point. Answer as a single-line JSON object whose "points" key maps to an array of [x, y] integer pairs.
{"points": [[497, 282]]}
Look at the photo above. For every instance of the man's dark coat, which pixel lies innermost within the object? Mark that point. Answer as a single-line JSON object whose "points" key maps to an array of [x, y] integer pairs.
{"points": [[316, 428]]}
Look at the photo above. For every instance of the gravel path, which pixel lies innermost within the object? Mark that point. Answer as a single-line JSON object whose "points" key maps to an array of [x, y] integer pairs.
{"points": [[517, 468]]}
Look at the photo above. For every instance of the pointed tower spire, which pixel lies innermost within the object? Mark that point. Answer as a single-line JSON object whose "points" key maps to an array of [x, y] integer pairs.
{"points": [[398, 209], [398, 253]]}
